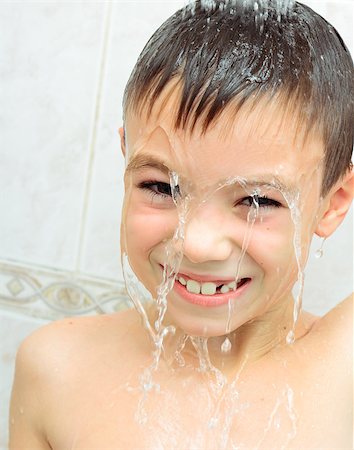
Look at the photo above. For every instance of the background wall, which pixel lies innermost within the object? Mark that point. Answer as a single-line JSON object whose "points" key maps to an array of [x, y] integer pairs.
{"points": [[63, 68]]}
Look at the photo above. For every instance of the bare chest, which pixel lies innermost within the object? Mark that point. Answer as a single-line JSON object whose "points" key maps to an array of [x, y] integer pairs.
{"points": [[192, 411]]}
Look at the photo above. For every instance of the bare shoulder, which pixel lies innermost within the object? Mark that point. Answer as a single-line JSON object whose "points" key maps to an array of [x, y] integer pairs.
{"points": [[339, 320], [71, 343], [332, 338], [52, 342], [55, 356]]}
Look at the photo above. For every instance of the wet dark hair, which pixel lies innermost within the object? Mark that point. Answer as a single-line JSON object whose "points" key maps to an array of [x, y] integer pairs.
{"points": [[230, 53]]}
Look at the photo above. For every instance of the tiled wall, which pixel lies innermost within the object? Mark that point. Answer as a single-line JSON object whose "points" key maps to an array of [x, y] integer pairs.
{"points": [[63, 68]]}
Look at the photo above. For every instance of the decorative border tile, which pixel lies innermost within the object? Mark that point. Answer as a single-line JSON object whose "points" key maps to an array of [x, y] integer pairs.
{"points": [[52, 294]]}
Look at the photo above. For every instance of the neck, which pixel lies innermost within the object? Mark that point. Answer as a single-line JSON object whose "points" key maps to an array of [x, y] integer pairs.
{"points": [[249, 343]]}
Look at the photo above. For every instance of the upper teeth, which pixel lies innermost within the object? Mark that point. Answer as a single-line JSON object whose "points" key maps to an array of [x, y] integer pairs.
{"points": [[208, 288]]}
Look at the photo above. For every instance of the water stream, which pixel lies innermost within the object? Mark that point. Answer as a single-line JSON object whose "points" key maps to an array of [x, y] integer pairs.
{"points": [[224, 393]]}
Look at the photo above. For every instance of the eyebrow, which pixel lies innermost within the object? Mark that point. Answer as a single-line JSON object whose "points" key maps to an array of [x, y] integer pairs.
{"points": [[142, 161], [268, 180]]}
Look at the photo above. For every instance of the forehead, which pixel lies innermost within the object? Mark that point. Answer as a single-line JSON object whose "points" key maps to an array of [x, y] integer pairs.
{"points": [[263, 138]]}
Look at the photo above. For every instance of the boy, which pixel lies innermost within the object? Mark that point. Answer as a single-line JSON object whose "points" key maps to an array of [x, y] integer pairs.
{"points": [[237, 137]]}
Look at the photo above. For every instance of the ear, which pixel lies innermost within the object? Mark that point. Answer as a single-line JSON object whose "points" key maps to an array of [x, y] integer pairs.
{"points": [[122, 140], [337, 205]]}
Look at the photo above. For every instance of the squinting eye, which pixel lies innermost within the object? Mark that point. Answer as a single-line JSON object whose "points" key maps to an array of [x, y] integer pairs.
{"points": [[262, 202], [157, 188]]}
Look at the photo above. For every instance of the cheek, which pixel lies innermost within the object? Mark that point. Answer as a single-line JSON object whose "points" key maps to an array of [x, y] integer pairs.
{"points": [[272, 247], [146, 228]]}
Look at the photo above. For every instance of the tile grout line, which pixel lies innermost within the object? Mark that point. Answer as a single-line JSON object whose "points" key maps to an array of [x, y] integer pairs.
{"points": [[93, 138]]}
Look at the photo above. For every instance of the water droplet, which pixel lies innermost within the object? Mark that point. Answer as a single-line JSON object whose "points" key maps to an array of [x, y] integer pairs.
{"points": [[226, 346], [213, 422], [319, 253], [12, 421], [290, 338], [21, 410]]}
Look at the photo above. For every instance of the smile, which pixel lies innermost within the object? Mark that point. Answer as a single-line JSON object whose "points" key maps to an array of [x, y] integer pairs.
{"points": [[209, 293], [209, 288]]}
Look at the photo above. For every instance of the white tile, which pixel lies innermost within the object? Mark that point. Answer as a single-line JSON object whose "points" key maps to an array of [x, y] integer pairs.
{"points": [[340, 14], [48, 78], [329, 280]]}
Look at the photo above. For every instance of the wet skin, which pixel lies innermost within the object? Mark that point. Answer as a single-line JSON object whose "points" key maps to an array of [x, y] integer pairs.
{"points": [[77, 397], [264, 148]]}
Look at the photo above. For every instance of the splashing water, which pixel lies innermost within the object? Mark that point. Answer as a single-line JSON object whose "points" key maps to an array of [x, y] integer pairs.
{"points": [[173, 257], [226, 346], [251, 218], [293, 203], [201, 346], [180, 347], [319, 252], [260, 8], [158, 332], [286, 399]]}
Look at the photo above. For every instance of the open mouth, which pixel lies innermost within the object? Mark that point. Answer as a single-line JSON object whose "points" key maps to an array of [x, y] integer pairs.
{"points": [[210, 288], [209, 293]]}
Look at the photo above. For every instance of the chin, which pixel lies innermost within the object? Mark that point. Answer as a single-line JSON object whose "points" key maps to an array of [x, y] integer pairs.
{"points": [[196, 326]]}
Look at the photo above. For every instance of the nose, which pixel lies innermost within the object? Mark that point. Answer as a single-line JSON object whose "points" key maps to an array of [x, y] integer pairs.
{"points": [[207, 237]]}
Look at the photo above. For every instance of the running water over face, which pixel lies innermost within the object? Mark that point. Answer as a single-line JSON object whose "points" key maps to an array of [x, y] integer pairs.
{"points": [[216, 254], [216, 231]]}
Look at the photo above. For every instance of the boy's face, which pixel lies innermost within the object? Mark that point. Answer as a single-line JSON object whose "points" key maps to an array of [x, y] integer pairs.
{"points": [[250, 187]]}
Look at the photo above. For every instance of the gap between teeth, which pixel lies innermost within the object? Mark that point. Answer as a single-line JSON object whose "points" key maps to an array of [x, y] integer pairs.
{"points": [[208, 288]]}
